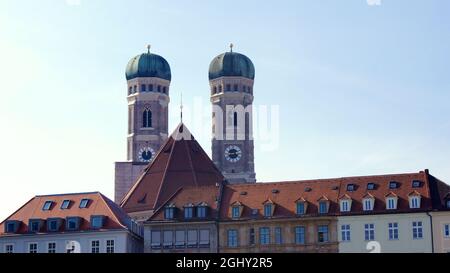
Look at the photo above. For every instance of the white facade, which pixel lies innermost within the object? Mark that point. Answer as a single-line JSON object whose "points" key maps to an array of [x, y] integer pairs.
{"points": [[385, 233], [120, 241]]}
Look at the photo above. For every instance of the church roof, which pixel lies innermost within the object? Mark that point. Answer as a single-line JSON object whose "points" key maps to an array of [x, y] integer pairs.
{"points": [[181, 162]]}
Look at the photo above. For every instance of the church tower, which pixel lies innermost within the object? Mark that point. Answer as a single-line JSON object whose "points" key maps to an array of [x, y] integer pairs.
{"points": [[231, 78], [148, 80]]}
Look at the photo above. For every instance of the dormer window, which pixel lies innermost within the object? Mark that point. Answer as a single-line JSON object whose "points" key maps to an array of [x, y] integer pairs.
{"points": [[391, 202], [97, 221], [268, 210], [351, 187], [35, 225], [236, 212], [54, 224], [416, 184], [371, 186], [47, 205], [323, 207], [169, 212], [393, 185], [201, 210], [368, 203], [301, 206], [189, 211], [65, 204], [73, 223], [448, 203], [12, 226], [84, 203], [414, 200], [346, 204]]}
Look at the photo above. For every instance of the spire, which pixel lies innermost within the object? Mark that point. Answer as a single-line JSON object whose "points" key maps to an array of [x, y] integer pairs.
{"points": [[181, 107], [148, 48], [231, 47]]}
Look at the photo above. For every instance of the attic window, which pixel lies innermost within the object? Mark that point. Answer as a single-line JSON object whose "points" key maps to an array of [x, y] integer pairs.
{"points": [[47, 205], [201, 211], [53, 224], [72, 223], [335, 188], [97, 221], [371, 186], [416, 184], [243, 193], [393, 185], [308, 189], [84, 203], [275, 191], [351, 187], [65, 204], [235, 212], [34, 225], [12, 226], [254, 212]]}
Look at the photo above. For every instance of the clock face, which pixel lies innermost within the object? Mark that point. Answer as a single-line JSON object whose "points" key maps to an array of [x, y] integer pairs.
{"points": [[233, 153], [146, 154]]}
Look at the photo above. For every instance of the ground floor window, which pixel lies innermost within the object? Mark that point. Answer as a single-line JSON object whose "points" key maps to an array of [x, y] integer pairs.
{"points": [[51, 247], [32, 248], [9, 249], [110, 246], [95, 246]]}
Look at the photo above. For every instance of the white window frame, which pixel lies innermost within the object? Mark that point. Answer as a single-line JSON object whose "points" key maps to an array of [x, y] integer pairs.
{"points": [[414, 202], [369, 201], [99, 246], [369, 229], [346, 233], [446, 229], [394, 203], [29, 247], [106, 245], [5, 248], [416, 228], [395, 227], [48, 244], [345, 205]]}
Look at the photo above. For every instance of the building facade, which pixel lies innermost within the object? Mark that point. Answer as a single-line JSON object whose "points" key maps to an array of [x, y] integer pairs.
{"points": [[70, 223]]}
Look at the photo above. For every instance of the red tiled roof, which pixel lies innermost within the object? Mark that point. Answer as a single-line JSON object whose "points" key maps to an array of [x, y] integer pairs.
{"points": [[331, 189], [179, 163], [208, 195], [98, 205]]}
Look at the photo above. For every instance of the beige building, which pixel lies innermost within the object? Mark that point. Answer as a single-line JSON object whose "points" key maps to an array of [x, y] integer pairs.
{"points": [[441, 231]]}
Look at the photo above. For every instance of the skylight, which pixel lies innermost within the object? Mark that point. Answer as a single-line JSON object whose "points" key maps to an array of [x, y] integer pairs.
{"points": [[84, 203], [65, 204], [47, 205]]}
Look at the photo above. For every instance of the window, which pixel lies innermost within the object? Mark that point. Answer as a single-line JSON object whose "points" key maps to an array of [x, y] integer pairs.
{"points": [[323, 207], [150, 87], [447, 230], [393, 185], [164, 90], [236, 87], [34, 225], [53, 225], [232, 238], [264, 236], [188, 212], [95, 246], [351, 187], [32, 248], [267, 210], [300, 208], [322, 234], [204, 238], [278, 236], [300, 235], [47, 205], [110, 248], [345, 233], [214, 90], [72, 223], [159, 88], [448, 204], [147, 118], [135, 88], [9, 248], [65, 204], [155, 239], [244, 88], [417, 230], [416, 184], [391, 203], [220, 88], [84, 203], [251, 238], [97, 221], [180, 238], [368, 204], [371, 186], [143, 88], [192, 238], [235, 119], [345, 205], [228, 87], [51, 247], [169, 213], [130, 90], [393, 231], [235, 211], [12, 226], [414, 202], [201, 211], [369, 232]]}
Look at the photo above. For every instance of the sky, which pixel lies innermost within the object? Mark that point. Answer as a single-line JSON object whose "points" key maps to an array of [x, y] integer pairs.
{"points": [[360, 89]]}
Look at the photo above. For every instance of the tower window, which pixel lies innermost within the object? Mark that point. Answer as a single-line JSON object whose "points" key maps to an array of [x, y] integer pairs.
{"points": [[147, 119], [228, 87], [235, 119], [164, 90], [249, 89], [214, 90], [236, 87], [220, 88], [244, 88], [150, 87], [130, 90], [135, 89], [143, 88], [159, 88]]}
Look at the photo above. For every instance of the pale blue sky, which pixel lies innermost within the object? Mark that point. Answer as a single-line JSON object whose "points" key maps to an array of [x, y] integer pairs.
{"points": [[361, 89]]}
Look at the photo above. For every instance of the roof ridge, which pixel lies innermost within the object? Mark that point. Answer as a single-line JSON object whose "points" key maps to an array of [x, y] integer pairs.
{"points": [[64, 194]]}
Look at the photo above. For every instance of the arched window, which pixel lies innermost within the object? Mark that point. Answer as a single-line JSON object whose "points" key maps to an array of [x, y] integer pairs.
{"points": [[159, 88], [150, 87], [235, 119], [164, 90], [135, 88], [143, 88], [147, 118], [214, 90], [236, 87], [130, 90]]}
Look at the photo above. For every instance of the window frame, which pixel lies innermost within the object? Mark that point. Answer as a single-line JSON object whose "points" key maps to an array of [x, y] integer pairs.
{"points": [[321, 205], [84, 203], [300, 235], [446, 231], [325, 231], [155, 245], [417, 230], [346, 233], [96, 217], [96, 247], [232, 238], [47, 205], [5, 248], [65, 204], [54, 249], [369, 232], [303, 208], [77, 222], [34, 251], [268, 208], [264, 236], [108, 247], [235, 209], [393, 231], [278, 232]]}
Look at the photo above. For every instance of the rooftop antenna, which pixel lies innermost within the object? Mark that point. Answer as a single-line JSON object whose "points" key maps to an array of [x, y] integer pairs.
{"points": [[148, 48], [231, 47], [181, 107]]}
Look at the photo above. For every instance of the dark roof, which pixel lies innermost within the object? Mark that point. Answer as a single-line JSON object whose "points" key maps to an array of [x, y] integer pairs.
{"points": [[98, 204], [148, 65], [231, 64], [181, 162]]}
